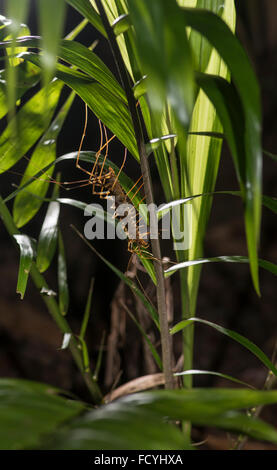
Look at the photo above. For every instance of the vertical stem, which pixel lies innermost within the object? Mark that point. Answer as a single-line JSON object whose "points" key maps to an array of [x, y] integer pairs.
{"points": [[166, 342]]}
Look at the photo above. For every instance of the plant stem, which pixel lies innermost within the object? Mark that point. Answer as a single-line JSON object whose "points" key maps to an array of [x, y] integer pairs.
{"points": [[167, 355], [53, 309]]}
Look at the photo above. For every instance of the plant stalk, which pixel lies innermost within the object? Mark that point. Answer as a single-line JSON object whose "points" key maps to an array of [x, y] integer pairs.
{"points": [[166, 342], [53, 309]]}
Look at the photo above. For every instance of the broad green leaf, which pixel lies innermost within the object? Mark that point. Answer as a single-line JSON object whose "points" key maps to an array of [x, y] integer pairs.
{"points": [[113, 10], [122, 424], [203, 153], [51, 18], [88, 11], [106, 106], [243, 76], [27, 77], [30, 411], [231, 334], [27, 254], [165, 56], [62, 278], [31, 120], [48, 236], [82, 58], [26, 204]]}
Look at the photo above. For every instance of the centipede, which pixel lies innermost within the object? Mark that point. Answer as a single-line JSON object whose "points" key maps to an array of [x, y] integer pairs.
{"points": [[106, 184]]}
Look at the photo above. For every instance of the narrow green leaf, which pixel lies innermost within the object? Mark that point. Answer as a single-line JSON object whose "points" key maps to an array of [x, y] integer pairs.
{"points": [[271, 155], [62, 278], [17, 14], [271, 267], [151, 346], [216, 374], [51, 27], [99, 357], [27, 254], [48, 236], [270, 203], [121, 24], [87, 310], [26, 205], [32, 119], [85, 354], [231, 334], [88, 11]]}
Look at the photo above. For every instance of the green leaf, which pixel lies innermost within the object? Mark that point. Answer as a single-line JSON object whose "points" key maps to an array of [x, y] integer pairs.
{"points": [[231, 334], [30, 411], [17, 14], [271, 155], [27, 254], [122, 424], [230, 49], [105, 105], [271, 267], [270, 203], [152, 348], [27, 77], [26, 205], [121, 24], [31, 120], [165, 56], [51, 18], [48, 236], [62, 278], [88, 11], [82, 58], [216, 374], [87, 311]]}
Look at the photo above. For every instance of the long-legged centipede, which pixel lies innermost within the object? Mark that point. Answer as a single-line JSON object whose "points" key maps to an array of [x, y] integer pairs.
{"points": [[105, 183]]}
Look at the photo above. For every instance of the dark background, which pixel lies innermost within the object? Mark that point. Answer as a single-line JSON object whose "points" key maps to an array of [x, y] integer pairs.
{"points": [[29, 339]]}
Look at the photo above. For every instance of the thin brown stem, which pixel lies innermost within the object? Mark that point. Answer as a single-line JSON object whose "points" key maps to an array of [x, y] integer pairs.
{"points": [[167, 354]]}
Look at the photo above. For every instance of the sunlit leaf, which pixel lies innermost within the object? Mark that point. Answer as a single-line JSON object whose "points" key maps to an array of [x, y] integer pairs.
{"points": [[231, 334], [27, 254]]}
